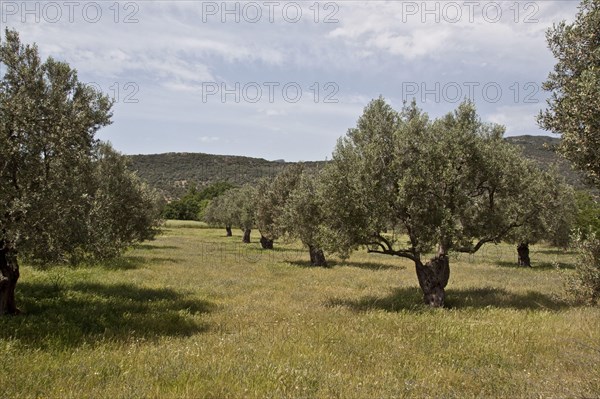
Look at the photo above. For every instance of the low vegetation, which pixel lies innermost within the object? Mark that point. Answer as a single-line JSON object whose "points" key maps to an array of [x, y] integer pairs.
{"points": [[195, 314]]}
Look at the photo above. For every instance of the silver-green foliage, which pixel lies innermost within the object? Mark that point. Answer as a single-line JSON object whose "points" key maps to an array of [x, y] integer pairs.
{"points": [[574, 106], [236, 207], [554, 220], [63, 194], [271, 200], [302, 216], [584, 284], [449, 184]]}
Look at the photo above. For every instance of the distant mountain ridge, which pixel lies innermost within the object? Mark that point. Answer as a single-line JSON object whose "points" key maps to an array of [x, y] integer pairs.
{"points": [[542, 149], [174, 173]]}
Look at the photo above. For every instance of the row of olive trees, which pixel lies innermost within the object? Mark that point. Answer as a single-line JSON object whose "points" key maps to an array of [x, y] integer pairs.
{"points": [[449, 184], [453, 184], [286, 206], [64, 196]]}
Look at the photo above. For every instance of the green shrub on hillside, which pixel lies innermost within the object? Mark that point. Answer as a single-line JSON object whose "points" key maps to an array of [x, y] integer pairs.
{"points": [[192, 205]]}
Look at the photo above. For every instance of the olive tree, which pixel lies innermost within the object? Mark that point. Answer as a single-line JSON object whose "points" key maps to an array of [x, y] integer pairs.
{"points": [[63, 194], [554, 220], [450, 184], [220, 213], [236, 206], [123, 210], [271, 199], [574, 106], [302, 216]]}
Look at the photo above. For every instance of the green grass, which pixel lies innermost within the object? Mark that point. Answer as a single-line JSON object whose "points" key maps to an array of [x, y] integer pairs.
{"points": [[195, 314]]}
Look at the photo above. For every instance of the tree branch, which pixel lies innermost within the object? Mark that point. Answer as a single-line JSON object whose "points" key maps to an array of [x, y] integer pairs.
{"points": [[496, 238], [384, 240], [403, 254], [386, 248]]}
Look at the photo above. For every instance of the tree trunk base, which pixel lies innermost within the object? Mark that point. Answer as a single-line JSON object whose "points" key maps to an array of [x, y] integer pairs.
{"points": [[228, 231], [246, 237], [265, 243], [9, 269], [433, 278], [523, 252], [317, 257]]}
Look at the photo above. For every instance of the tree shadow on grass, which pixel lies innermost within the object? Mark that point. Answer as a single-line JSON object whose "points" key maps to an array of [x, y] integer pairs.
{"points": [[411, 298], [57, 316], [368, 265], [536, 266], [152, 247], [307, 264], [374, 266], [129, 262]]}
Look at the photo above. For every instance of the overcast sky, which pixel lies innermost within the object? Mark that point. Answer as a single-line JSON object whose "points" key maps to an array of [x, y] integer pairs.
{"points": [[281, 79]]}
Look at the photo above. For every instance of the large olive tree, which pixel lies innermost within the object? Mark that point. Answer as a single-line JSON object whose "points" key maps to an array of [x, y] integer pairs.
{"points": [[574, 110], [63, 194], [450, 184]]}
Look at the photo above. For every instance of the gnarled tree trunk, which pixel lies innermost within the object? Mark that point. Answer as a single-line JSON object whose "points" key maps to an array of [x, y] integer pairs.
{"points": [[433, 278], [246, 237], [9, 274], [265, 243], [317, 257], [228, 230], [523, 251]]}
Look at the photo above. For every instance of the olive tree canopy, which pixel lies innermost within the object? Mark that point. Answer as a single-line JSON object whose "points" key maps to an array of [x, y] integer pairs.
{"points": [[574, 106], [450, 184], [64, 195]]}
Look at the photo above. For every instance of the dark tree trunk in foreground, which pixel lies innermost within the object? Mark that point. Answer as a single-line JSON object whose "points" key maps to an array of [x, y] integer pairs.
{"points": [[317, 257], [265, 243], [9, 269], [228, 230], [433, 278], [523, 251], [246, 238]]}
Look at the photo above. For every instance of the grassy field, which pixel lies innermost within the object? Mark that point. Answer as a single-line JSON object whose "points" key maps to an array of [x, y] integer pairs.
{"points": [[195, 314]]}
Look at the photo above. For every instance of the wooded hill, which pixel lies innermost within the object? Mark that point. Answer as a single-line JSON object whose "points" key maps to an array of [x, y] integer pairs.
{"points": [[174, 173], [542, 150]]}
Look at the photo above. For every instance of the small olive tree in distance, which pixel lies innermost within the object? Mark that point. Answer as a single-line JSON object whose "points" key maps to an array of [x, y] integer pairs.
{"points": [[450, 184], [554, 221], [236, 206], [271, 199], [220, 213], [302, 216]]}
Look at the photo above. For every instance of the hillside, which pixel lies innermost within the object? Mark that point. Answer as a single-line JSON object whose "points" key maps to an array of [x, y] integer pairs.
{"points": [[542, 150], [174, 173]]}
